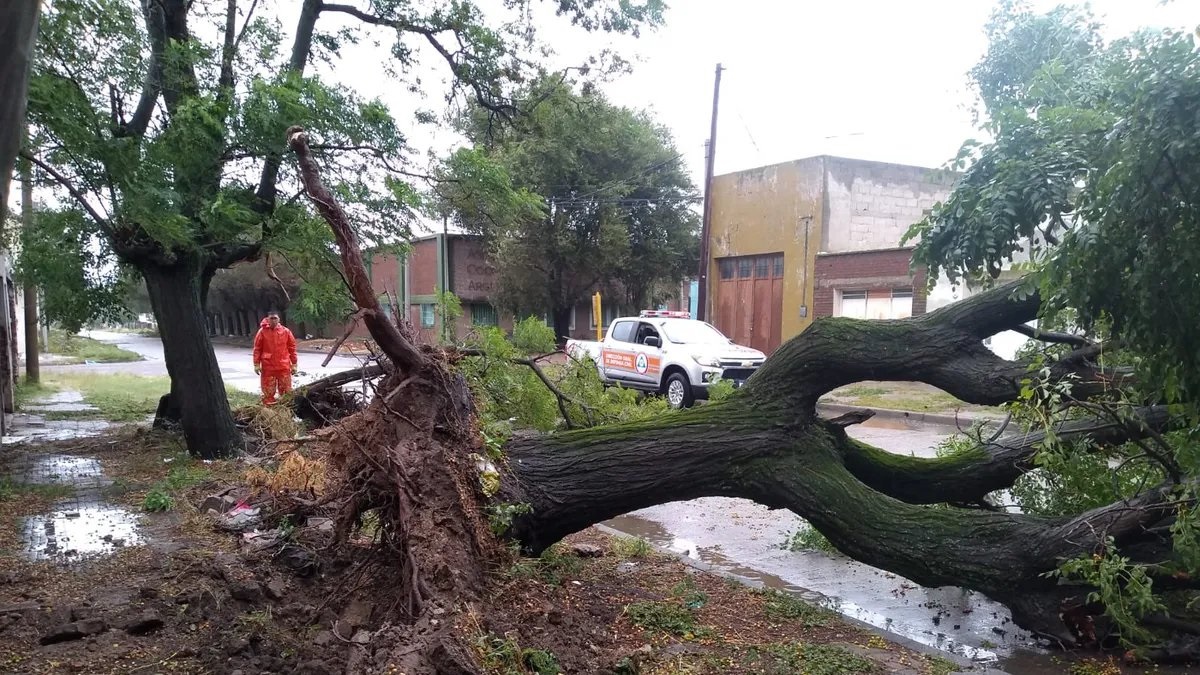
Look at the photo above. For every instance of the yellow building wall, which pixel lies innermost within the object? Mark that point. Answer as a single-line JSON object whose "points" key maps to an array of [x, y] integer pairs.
{"points": [[772, 209]]}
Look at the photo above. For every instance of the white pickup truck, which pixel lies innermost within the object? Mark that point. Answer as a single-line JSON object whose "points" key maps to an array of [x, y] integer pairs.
{"points": [[668, 353]]}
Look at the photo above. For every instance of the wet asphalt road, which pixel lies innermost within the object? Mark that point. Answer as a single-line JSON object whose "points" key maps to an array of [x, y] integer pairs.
{"points": [[237, 368]]}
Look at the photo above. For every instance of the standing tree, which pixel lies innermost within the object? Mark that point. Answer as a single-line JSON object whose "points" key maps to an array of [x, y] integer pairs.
{"points": [[162, 122], [577, 195], [1102, 458]]}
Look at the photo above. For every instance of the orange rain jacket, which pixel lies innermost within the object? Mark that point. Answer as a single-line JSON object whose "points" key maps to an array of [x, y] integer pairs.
{"points": [[274, 348]]}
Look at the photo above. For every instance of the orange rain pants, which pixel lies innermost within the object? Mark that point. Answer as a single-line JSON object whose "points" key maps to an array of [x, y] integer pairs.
{"points": [[274, 385]]}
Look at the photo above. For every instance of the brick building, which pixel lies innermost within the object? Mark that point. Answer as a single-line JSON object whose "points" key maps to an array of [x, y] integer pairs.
{"points": [[816, 237], [458, 262]]}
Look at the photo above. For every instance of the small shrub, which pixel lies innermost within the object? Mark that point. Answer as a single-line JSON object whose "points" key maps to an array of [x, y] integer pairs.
{"points": [[540, 661], [941, 666], [504, 656], [631, 547], [553, 566], [500, 516], [692, 597], [664, 617], [158, 500], [809, 538], [720, 390], [814, 659], [782, 606]]}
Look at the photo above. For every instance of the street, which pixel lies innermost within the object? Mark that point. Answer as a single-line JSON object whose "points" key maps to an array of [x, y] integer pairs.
{"points": [[237, 367]]}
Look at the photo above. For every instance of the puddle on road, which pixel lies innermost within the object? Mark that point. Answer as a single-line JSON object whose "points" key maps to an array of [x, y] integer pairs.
{"points": [[72, 534]]}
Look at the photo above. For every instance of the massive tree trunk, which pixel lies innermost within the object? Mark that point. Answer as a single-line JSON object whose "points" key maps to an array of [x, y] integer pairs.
{"points": [[197, 391], [170, 405], [766, 443]]}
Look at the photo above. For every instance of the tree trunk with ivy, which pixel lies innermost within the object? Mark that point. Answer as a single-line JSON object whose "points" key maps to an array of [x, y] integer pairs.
{"points": [[414, 457]]}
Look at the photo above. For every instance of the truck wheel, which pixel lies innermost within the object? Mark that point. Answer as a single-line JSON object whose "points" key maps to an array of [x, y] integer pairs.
{"points": [[679, 391]]}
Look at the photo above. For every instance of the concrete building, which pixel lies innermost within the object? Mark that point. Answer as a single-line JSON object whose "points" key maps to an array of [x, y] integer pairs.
{"points": [[816, 237]]}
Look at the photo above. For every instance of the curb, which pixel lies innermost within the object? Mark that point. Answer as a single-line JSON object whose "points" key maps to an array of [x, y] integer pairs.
{"points": [[962, 420], [967, 665]]}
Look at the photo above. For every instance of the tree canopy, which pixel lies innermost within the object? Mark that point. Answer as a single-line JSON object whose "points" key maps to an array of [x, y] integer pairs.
{"points": [[1091, 164], [576, 196], [163, 123], [1092, 169]]}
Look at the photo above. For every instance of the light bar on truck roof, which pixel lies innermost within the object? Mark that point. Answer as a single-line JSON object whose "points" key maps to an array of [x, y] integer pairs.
{"points": [[663, 314]]}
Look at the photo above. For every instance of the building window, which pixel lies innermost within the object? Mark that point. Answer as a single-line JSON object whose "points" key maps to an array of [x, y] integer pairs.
{"points": [[765, 266], [875, 304], [726, 267], [853, 304], [902, 303], [549, 319], [607, 314], [483, 314], [762, 267], [427, 315]]}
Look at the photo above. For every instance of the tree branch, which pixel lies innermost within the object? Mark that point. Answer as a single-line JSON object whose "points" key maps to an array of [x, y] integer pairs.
{"points": [[78, 196], [1052, 336], [264, 195], [482, 97], [387, 334], [969, 476], [562, 398]]}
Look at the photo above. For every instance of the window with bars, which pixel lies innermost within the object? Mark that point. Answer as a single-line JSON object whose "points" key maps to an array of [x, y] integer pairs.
{"points": [[762, 267], [726, 267], [768, 266], [428, 315], [483, 314]]}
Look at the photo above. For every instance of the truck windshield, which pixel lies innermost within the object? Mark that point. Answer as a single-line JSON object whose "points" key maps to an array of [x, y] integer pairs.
{"points": [[686, 332]]}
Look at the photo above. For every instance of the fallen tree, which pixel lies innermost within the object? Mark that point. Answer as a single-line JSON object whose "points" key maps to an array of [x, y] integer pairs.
{"points": [[414, 458]]}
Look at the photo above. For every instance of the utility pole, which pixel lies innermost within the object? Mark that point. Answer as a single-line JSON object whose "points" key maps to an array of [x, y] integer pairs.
{"points": [[32, 369], [706, 223]]}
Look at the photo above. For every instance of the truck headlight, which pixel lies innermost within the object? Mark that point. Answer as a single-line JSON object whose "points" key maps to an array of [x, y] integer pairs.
{"points": [[710, 361]]}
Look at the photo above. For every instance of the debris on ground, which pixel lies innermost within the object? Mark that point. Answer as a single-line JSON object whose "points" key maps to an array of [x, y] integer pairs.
{"points": [[192, 597]]}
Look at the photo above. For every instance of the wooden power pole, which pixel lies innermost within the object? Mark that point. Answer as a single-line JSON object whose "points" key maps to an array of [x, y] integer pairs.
{"points": [[706, 223]]}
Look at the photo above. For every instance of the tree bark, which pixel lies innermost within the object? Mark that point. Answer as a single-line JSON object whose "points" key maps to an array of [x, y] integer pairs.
{"points": [[32, 365], [197, 390], [18, 33]]}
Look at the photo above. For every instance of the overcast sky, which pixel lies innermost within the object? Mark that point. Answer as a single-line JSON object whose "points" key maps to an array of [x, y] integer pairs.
{"points": [[871, 79]]}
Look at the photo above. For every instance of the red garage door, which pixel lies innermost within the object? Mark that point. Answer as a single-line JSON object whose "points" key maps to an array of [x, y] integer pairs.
{"points": [[749, 300]]}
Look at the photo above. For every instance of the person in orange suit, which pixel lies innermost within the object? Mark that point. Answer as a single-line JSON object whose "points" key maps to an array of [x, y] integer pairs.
{"points": [[274, 358]]}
